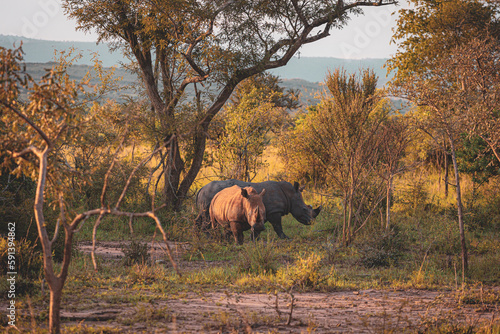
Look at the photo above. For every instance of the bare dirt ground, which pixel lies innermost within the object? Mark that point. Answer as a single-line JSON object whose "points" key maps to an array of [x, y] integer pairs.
{"points": [[338, 312], [368, 311]]}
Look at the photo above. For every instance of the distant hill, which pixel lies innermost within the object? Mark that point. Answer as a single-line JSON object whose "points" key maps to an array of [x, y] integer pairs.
{"points": [[312, 69], [41, 51], [76, 72], [315, 69]]}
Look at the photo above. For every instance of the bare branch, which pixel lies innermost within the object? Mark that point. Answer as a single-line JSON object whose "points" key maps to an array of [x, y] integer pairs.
{"points": [[130, 224], [30, 149], [30, 123], [302, 18], [94, 239], [108, 173], [144, 161]]}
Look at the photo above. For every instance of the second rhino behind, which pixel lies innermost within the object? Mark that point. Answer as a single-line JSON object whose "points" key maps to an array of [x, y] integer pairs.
{"points": [[281, 199], [238, 209]]}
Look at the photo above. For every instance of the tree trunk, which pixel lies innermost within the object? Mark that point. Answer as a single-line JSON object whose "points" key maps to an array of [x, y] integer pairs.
{"points": [[55, 307], [459, 209], [173, 167], [349, 217], [344, 223], [388, 203], [446, 178]]}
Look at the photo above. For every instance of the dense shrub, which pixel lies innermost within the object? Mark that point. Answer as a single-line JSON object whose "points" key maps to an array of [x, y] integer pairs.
{"points": [[304, 272], [381, 248]]}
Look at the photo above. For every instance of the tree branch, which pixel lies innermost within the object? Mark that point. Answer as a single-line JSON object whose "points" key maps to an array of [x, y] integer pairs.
{"points": [[108, 173], [145, 160], [30, 123]]}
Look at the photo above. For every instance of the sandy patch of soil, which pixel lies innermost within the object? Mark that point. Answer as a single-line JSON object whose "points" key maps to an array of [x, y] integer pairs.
{"points": [[113, 249], [369, 311]]}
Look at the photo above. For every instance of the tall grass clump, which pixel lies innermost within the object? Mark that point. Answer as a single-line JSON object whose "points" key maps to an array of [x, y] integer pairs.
{"points": [[258, 258], [28, 265]]}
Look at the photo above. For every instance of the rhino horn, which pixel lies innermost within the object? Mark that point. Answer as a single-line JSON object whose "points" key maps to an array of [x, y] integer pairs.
{"points": [[317, 211], [296, 186], [262, 193]]}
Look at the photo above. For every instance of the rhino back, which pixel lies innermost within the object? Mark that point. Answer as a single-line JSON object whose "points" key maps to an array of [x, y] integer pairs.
{"points": [[277, 197], [207, 193], [277, 200], [227, 205]]}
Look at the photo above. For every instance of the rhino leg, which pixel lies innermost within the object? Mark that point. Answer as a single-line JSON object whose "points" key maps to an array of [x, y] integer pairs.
{"points": [[255, 235], [275, 220], [237, 232]]}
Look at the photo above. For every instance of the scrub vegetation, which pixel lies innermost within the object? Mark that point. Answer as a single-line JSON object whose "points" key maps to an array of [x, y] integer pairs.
{"points": [[408, 238]]}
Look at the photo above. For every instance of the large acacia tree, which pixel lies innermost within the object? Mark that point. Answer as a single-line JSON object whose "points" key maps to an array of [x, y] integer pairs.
{"points": [[211, 46]]}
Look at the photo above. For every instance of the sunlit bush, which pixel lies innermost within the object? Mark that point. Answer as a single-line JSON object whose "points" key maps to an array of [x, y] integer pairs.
{"points": [[258, 258]]}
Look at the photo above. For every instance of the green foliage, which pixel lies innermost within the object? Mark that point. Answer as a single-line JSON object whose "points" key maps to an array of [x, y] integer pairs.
{"points": [[338, 144], [475, 158], [176, 47], [431, 29], [258, 107]]}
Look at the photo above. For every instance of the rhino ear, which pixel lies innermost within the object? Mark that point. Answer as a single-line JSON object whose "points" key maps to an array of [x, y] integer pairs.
{"points": [[296, 186], [244, 192], [262, 193]]}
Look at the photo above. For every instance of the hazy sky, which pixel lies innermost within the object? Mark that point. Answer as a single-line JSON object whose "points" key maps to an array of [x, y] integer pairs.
{"points": [[366, 36]]}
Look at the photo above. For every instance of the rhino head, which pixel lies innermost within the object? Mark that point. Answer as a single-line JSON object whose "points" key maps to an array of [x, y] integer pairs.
{"points": [[255, 210], [300, 211]]}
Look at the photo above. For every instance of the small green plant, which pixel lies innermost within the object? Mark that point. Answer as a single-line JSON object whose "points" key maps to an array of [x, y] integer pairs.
{"points": [[135, 253], [258, 258]]}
